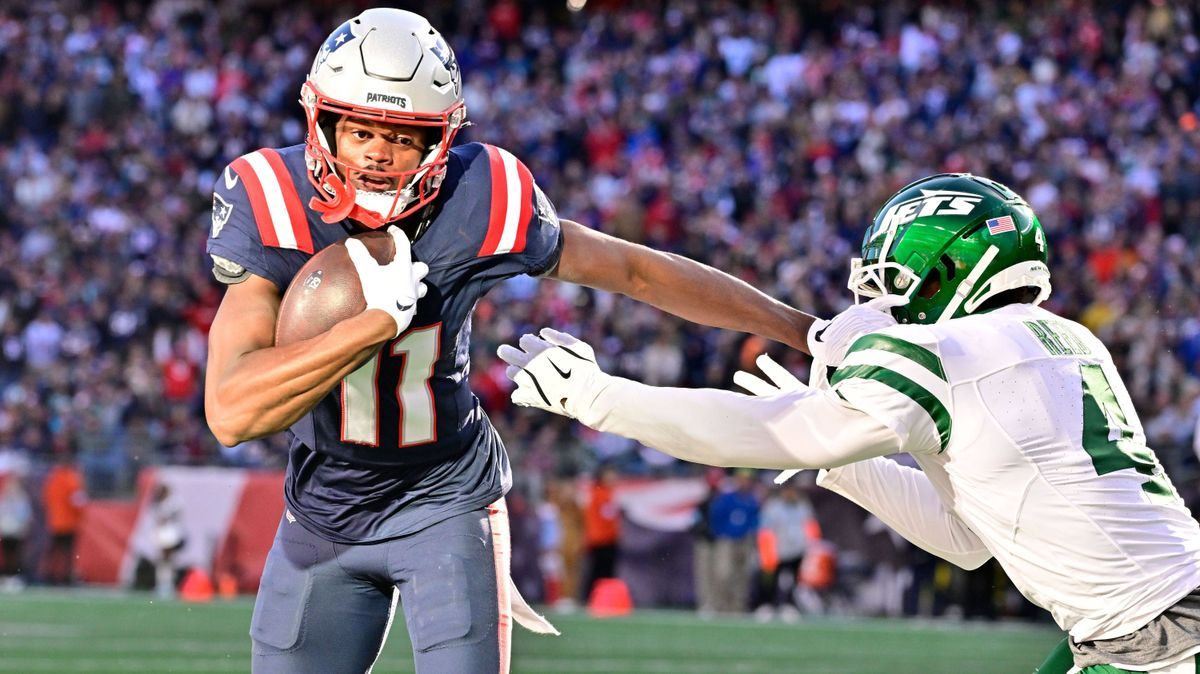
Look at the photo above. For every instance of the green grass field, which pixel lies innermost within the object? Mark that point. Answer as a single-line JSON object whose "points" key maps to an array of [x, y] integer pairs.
{"points": [[44, 631]]}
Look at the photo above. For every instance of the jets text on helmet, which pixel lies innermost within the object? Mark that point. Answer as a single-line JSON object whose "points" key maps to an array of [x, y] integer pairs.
{"points": [[931, 202]]}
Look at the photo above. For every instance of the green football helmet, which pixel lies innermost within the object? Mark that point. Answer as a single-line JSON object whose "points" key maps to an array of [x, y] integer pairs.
{"points": [[947, 244]]}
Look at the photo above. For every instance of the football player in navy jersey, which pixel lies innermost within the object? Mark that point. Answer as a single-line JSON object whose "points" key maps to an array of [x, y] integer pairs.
{"points": [[396, 478]]}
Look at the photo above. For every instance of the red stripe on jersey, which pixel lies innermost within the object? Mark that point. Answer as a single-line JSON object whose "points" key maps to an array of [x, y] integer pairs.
{"points": [[258, 201], [499, 203], [292, 200], [526, 206]]}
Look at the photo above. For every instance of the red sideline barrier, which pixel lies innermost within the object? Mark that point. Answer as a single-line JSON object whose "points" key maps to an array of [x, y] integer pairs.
{"points": [[103, 537], [243, 553], [105, 545], [231, 515]]}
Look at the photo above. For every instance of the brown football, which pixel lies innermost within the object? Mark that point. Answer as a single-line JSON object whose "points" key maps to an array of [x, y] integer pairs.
{"points": [[326, 290]]}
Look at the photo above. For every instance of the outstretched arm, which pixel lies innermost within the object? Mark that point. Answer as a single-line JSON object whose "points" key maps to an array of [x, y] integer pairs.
{"points": [[799, 429], [805, 428], [677, 285]]}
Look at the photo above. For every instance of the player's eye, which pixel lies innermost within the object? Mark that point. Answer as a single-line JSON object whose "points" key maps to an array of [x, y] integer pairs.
{"points": [[360, 134], [405, 141]]}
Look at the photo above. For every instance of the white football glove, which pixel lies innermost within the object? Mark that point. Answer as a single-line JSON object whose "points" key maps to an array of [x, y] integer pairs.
{"points": [[828, 341], [554, 372], [779, 380], [394, 287]]}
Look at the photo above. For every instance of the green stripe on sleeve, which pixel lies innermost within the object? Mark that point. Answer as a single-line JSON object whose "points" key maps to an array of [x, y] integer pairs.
{"points": [[914, 352], [898, 382]]}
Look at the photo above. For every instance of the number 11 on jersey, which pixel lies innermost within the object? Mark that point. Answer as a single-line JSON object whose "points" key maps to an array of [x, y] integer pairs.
{"points": [[361, 390]]}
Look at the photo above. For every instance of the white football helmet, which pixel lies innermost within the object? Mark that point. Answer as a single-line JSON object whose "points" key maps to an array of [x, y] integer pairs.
{"points": [[384, 65]]}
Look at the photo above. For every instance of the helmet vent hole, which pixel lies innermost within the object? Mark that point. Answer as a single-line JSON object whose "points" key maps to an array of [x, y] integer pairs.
{"points": [[949, 265], [929, 287]]}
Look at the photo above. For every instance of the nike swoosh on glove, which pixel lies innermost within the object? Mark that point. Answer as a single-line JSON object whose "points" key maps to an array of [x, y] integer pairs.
{"points": [[394, 287], [555, 372], [828, 341]]}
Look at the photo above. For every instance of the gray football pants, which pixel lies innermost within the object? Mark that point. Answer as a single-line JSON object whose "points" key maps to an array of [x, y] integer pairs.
{"points": [[326, 608]]}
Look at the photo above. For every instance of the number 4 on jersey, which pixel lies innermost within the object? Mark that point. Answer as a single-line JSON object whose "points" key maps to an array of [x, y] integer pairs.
{"points": [[361, 390], [1109, 439]]}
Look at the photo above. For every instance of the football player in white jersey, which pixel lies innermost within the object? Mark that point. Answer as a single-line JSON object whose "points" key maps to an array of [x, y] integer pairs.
{"points": [[1030, 449]]}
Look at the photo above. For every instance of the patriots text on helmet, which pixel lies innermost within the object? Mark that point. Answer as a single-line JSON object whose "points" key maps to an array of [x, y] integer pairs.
{"points": [[398, 101]]}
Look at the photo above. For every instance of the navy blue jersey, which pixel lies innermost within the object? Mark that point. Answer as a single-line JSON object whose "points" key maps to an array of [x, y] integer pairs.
{"points": [[402, 442]]}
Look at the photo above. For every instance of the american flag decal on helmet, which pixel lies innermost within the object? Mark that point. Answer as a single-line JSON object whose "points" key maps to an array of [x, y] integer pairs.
{"points": [[1001, 225]]}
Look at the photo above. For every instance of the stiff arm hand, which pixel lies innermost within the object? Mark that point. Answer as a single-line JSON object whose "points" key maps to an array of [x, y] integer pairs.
{"points": [[555, 372], [394, 287]]}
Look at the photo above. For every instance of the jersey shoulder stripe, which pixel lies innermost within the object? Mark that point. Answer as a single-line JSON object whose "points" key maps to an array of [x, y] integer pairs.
{"points": [[906, 353], [899, 374], [278, 213], [914, 352], [511, 203], [929, 402]]}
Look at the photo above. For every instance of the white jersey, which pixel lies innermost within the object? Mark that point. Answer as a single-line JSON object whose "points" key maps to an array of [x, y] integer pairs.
{"points": [[1022, 426]]}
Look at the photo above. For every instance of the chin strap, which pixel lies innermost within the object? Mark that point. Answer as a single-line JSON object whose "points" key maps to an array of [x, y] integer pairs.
{"points": [[339, 202], [337, 208], [968, 284]]}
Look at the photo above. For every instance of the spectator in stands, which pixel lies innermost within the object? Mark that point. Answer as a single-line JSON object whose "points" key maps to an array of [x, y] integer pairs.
{"points": [[549, 546], [63, 499], [747, 137], [564, 494], [733, 518], [901, 91], [882, 594], [602, 529], [167, 514], [704, 545], [16, 518], [1192, 414], [787, 520]]}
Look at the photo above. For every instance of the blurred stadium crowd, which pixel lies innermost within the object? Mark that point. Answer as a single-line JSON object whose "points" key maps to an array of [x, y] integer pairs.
{"points": [[757, 137]]}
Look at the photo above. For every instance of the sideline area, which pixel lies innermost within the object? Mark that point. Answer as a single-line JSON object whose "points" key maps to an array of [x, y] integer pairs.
{"points": [[101, 631]]}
